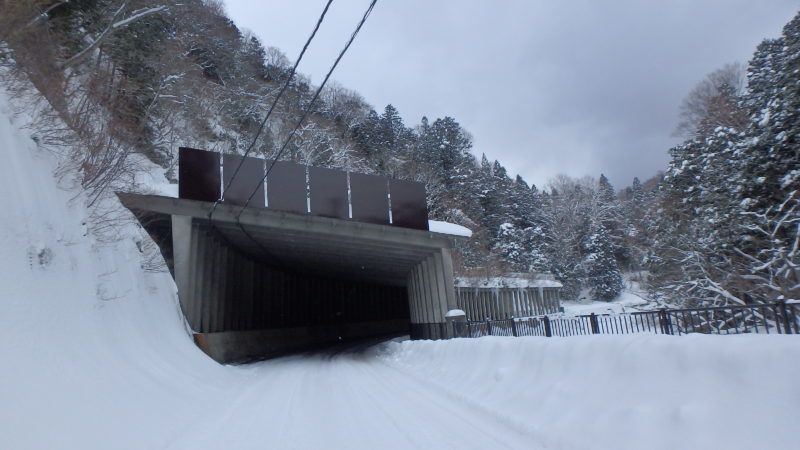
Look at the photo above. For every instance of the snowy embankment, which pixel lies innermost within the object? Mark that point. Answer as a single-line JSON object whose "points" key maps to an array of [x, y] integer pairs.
{"points": [[94, 350], [95, 355]]}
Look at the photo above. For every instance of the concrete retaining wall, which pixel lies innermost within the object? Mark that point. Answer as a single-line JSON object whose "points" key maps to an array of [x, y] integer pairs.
{"points": [[243, 346]]}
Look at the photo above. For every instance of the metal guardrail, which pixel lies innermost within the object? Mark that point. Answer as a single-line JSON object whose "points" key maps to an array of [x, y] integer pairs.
{"points": [[767, 318]]}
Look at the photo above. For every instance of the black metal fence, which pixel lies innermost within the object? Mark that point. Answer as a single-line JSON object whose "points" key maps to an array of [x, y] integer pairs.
{"points": [[767, 318]]}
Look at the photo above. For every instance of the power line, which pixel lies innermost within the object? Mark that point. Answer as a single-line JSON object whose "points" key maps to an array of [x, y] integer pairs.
{"points": [[272, 107], [309, 107]]}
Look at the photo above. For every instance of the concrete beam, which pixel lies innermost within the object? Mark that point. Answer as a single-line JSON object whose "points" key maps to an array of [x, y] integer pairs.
{"points": [[263, 217]]}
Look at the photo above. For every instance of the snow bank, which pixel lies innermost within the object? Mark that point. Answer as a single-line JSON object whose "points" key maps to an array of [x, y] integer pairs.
{"points": [[94, 350], [622, 392], [437, 226]]}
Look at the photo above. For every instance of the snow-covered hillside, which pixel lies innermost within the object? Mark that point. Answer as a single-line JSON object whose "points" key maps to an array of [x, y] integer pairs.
{"points": [[95, 355], [94, 350]]}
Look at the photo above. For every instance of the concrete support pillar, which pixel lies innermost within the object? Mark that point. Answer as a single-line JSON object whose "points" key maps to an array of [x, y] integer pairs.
{"points": [[526, 295], [184, 247], [449, 281], [431, 293], [210, 283], [540, 301]]}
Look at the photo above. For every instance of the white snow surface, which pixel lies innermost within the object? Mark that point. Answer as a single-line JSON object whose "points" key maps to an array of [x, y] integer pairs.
{"points": [[620, 392], [453, 229], [95, 355], [626, 302], [506, 282]]}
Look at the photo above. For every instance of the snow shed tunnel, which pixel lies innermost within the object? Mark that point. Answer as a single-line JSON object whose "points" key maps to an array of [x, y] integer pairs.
{"points": [[318, 256]]}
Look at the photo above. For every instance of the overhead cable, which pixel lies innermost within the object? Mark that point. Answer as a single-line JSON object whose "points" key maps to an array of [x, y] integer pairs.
{"points": [[271, 108], [310, 106]]}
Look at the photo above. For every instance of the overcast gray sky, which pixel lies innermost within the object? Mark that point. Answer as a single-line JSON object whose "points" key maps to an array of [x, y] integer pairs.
{"points": [[580, 87]]}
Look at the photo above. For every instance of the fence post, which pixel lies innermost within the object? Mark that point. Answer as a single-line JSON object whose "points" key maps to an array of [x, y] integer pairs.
{"points": [[593, 323], [514, 327], [488, 327], [547, 331], [787, 325], [666, 323]]}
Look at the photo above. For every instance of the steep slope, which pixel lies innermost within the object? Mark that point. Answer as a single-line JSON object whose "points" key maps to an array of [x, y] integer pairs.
{"points": [[94, 349]]}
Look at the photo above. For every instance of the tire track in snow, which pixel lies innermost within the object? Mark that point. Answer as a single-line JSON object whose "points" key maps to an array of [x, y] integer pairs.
{"points": [[467, 401], [471, 418], [349, 399]]}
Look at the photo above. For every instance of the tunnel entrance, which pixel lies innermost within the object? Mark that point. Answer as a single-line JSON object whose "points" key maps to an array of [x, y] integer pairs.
{"points": [[261, 281]]}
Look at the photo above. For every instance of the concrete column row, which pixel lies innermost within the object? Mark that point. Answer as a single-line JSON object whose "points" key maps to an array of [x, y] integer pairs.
{"points": [[222, 289], [505, 303]]}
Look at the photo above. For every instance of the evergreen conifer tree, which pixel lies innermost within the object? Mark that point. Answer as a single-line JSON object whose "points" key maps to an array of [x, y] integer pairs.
{"points": [[602, 273]]}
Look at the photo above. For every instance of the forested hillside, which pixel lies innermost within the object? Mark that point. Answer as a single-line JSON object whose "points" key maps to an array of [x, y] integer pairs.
{"points": [[135, 79]]}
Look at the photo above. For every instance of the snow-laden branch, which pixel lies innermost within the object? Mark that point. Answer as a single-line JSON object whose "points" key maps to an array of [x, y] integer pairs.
{"points": [[110, 29], [774, 269], [137, 15], [43, 14]]}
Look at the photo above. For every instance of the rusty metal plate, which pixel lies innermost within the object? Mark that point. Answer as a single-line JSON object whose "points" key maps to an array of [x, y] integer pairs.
{"points": [[250, 175], [369, 196], [328, 190], [409, 208], [198, 174], [286, 187]]}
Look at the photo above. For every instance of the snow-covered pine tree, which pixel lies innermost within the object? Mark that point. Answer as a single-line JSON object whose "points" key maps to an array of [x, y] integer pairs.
{"points": [[698, 224], [602, 273], [771, 166], [770, 196], [609, 212]]}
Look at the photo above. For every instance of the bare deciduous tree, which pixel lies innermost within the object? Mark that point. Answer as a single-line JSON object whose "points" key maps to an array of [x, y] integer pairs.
{"points": [[714, 102]]}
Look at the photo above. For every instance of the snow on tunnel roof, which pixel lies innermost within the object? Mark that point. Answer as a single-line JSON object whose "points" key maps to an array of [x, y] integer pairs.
{"points": [[437, 226]]}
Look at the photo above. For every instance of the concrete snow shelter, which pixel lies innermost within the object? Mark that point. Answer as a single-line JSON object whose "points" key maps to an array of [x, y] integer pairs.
{"points": [[257, 282]]}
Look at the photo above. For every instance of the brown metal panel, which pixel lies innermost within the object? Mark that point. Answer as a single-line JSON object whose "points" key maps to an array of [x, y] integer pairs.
{"points": [[286, 187], [409, 208], [328, 190], [198, 174], [370, 198], [250, 175]]}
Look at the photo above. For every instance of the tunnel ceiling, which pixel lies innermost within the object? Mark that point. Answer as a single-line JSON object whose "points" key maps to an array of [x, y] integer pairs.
{"points": [[317, 245], [326, 255]]}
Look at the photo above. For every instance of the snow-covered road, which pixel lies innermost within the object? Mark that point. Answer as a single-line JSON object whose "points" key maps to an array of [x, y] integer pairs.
{"points": [[348, 399]]}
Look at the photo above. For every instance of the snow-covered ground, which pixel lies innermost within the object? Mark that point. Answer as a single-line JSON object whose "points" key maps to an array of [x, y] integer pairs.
{"points": [[633, 298], [95, 355], [620, 392], [626, 302]]}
